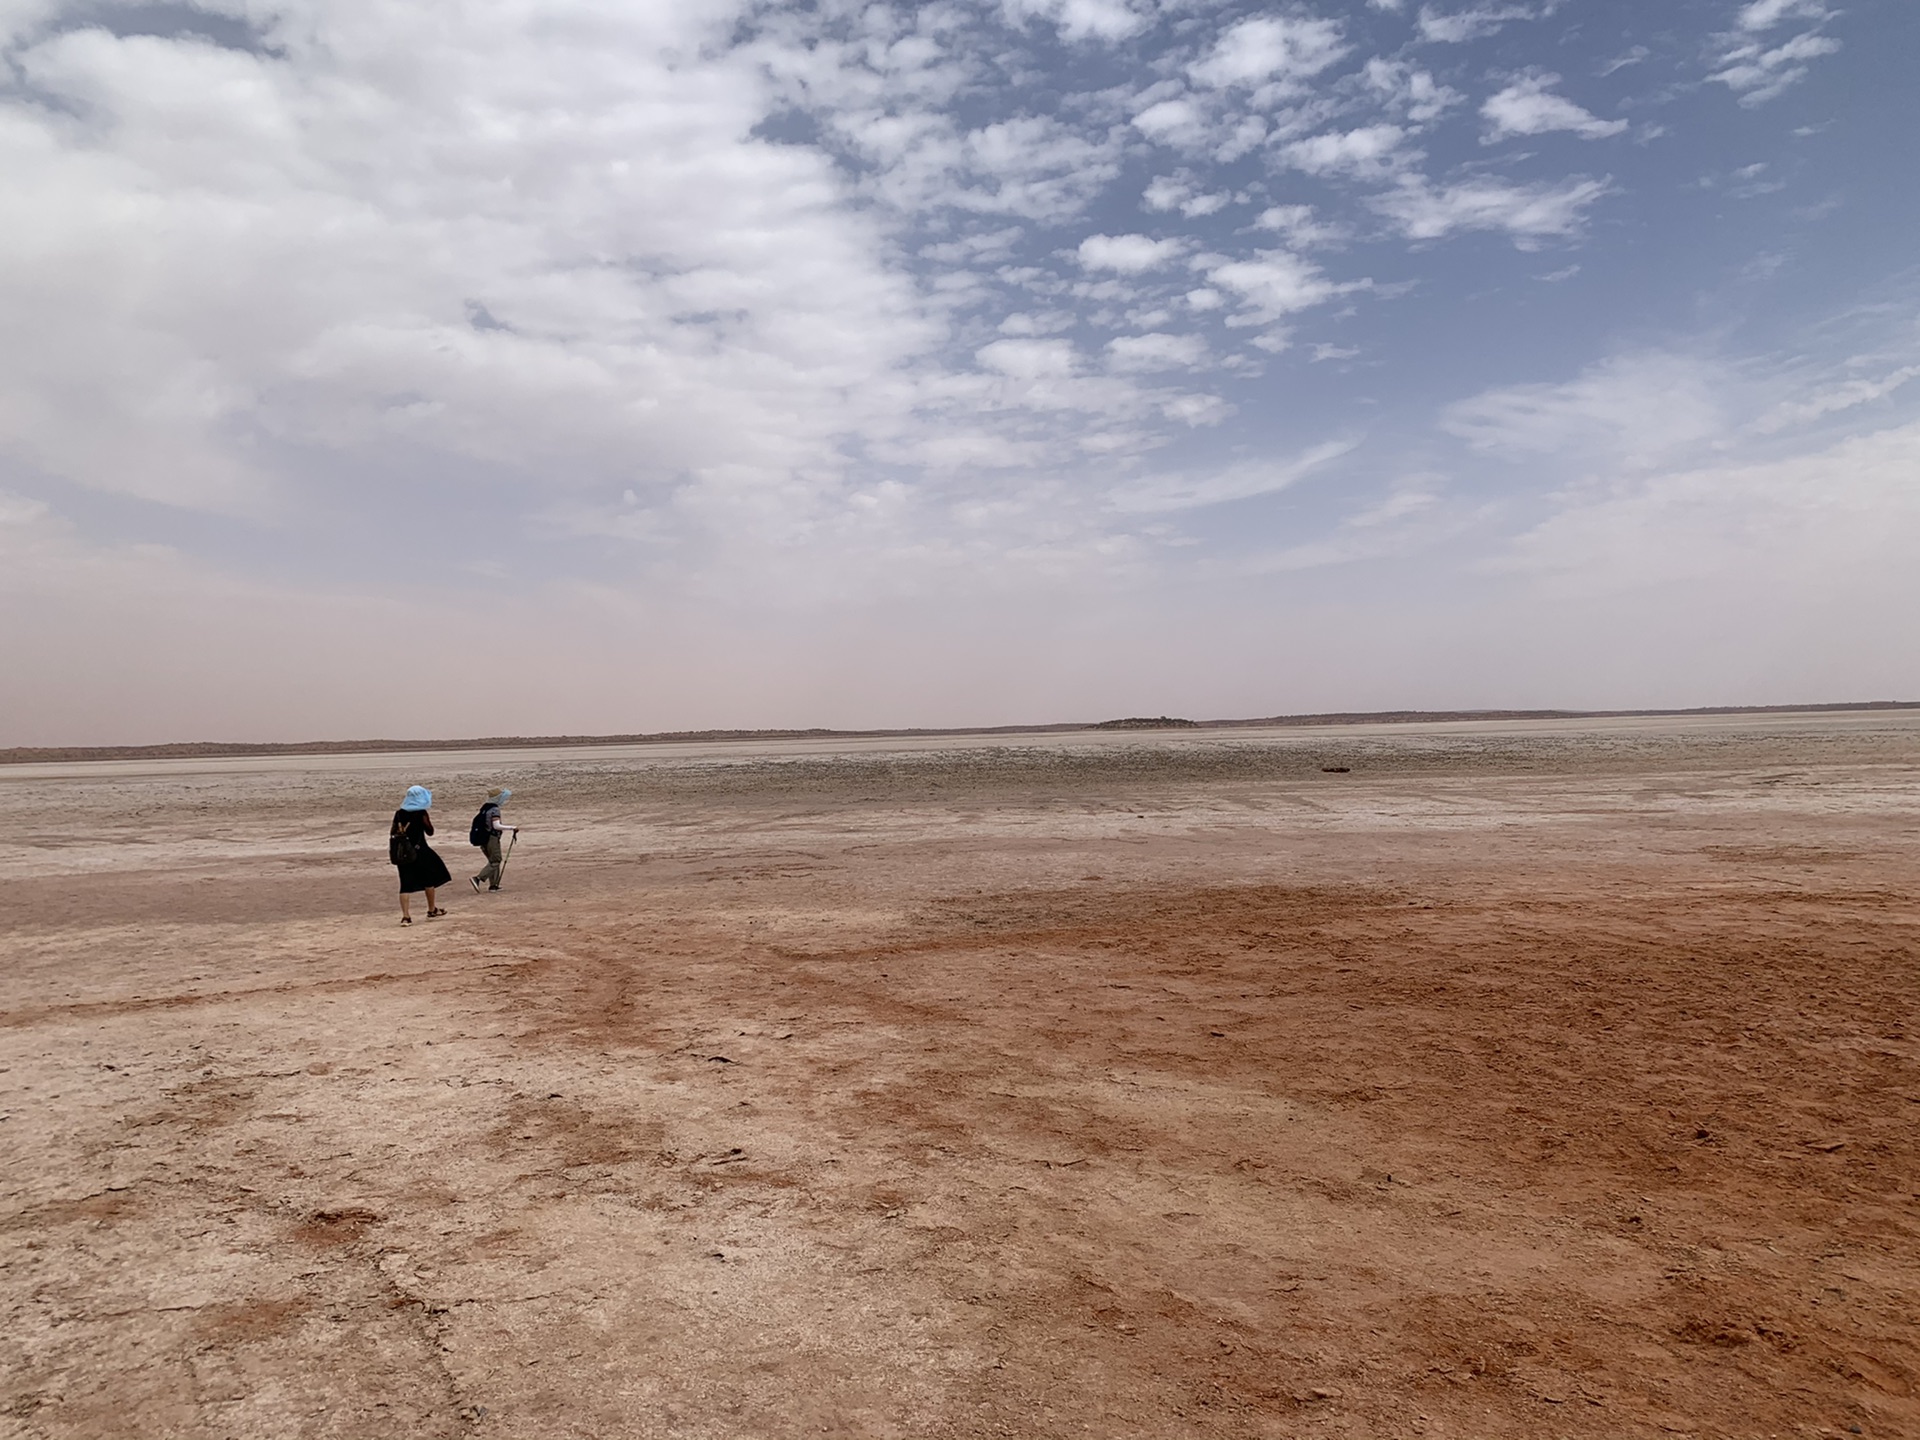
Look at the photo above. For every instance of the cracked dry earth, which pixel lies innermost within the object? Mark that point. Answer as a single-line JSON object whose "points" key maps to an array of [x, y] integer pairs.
{"points": [[1523, 1081]]}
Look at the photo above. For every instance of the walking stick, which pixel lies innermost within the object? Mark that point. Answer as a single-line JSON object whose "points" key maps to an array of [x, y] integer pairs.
{"points": [[509, 855]]}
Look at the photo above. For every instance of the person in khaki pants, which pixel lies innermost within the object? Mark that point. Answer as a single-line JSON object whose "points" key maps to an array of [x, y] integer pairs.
{"points": [[488, 827]]}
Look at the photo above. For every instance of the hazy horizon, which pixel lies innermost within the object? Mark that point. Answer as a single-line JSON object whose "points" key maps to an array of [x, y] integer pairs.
{"points": [[608, 369], [1113, 726]]}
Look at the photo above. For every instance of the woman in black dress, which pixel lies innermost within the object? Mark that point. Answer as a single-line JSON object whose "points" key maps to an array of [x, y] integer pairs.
{"points": [[420, 868]]}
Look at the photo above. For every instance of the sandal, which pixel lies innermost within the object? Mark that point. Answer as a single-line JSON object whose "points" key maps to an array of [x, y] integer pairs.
{"points": [[435, 914]]}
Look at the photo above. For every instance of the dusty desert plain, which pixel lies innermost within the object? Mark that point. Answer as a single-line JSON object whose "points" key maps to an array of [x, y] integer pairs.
{"points": [[1528, 1079]]}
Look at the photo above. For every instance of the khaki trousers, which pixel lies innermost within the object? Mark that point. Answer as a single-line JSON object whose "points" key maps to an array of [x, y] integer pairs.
{"points": [[491, 873]]}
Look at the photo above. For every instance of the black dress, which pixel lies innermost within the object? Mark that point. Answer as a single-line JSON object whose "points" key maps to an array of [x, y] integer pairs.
{"points": [[420, 868]]}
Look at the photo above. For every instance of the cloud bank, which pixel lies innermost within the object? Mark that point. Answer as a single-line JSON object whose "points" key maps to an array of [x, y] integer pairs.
{"points": [[728, 334]]}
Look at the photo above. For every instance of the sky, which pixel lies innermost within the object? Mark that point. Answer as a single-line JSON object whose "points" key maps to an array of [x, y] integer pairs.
{"points": [[430, 369]]}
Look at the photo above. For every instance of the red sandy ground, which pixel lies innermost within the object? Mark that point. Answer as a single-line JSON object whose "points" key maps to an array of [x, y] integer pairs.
{"points": [[1559, 1087]]}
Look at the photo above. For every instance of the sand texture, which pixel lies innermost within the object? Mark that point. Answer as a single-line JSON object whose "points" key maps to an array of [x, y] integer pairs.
{"points": [[1525, 1080]]}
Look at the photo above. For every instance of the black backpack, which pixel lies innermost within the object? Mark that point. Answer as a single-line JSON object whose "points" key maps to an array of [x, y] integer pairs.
{"points": [[482, 828]]}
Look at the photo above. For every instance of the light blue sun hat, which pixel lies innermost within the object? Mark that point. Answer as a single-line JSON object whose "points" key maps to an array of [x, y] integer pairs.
{"points": [[418, 798]]}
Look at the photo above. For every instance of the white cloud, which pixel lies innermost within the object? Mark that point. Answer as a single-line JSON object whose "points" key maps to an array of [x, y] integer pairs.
{"points": [[985, 247], [1277, 282], [1177, 121], [1127, 254], [1759, 73], [1634, 410], [1081, 19], [1051, 322], [1529, 213], [1197, 410], [1411, 497], [1463, 25], [1765, 14], [1156, 351], [884, 99], [1166, 192], [1796, 533], [1410, 91], [1280, 51], [1369, 152], [1832, 399], [1302, 228], [1636, 55], [1029, 359], [1400, 522], [961, 449], [1032, 165], [1236, 482], [554, 258], [1245, 136], [1528, 107], [1177, 192], [245, 253]]}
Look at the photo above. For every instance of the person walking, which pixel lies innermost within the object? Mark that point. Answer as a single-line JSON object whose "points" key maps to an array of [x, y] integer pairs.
{"points": [[407, 849], [488, 827]]}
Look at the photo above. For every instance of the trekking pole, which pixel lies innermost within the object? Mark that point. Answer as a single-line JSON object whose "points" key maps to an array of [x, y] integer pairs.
{"points": [[509, 855]]}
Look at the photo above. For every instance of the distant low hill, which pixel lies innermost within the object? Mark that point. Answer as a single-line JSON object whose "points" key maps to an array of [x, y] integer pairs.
{"points": [[196, 749]]}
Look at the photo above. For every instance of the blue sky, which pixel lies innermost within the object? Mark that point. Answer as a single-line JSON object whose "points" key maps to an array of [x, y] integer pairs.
{"points": [[735, 364]]}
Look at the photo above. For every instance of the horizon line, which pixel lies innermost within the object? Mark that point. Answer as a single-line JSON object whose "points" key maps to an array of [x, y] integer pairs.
{"points": [[196, 749]]}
